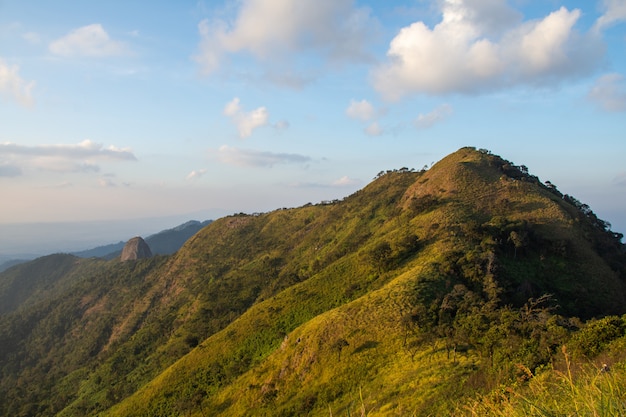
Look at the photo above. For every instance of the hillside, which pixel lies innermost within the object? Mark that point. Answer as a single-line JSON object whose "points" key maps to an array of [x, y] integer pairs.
{"points": [[407, 297]]}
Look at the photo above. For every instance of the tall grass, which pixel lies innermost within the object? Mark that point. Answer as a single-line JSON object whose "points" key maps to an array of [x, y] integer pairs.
{"points": [[579, 390]]}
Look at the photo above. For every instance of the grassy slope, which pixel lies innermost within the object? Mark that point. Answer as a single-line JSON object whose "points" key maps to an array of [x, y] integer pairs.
{"points": [[349, 348], [305, 310]]}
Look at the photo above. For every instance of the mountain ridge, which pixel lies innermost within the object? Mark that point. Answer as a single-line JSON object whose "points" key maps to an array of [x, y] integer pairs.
{"points": [[163, 242], [299, 311]]}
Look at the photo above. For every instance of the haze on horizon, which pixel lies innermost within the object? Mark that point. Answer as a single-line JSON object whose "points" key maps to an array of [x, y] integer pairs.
{"points": [[129, 110]]}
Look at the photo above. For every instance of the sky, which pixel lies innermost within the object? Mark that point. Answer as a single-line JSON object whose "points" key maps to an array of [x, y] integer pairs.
{"points": [[124, 110]]}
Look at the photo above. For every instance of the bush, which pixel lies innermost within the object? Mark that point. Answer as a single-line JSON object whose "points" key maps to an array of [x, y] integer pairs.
{"points": [[594, 337]]}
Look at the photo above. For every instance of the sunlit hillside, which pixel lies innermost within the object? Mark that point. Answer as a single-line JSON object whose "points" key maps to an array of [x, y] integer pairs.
{"points": [[425, 293]]}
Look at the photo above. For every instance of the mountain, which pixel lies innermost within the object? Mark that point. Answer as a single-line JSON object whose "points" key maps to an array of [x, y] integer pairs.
{"points": [[11, 262], [136, 248], [169, 241], [164, 242], [408, 297], [109, 251]]}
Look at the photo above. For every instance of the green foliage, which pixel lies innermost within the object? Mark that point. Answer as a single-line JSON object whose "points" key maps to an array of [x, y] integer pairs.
{"points": [[380, 256], [596, 335], [401, 299]]}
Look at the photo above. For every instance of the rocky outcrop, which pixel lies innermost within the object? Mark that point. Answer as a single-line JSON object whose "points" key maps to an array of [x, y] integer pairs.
{"points": [[136, 248]]}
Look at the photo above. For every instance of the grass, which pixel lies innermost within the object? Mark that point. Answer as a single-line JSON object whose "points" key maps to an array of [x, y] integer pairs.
{"points": [[331, 308], [578, 390]]}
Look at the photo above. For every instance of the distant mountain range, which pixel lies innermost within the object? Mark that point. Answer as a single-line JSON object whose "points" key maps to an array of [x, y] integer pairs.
{"points": [[164, 242], [421, 294]]}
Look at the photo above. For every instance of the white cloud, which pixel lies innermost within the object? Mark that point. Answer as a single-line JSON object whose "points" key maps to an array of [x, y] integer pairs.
{"points": [[232, 108], [615, 11], [13, 86], [246, 122], [269, 30], [84, 149], [195, 174], [361, 110], [345, 181], [439, 114], [470, 51], [91, 40], [364, 111], [609, 92], [252, 158], [80, 157]]}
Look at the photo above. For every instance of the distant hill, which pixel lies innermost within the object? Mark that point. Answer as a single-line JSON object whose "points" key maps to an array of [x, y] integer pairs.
{"points": [[169, 241], [164, 242], [413, 296], [11, 262], [104, 251]]}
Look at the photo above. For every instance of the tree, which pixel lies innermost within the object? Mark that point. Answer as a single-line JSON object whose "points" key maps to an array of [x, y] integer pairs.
{"points": [[519, 240], [380, 256]]}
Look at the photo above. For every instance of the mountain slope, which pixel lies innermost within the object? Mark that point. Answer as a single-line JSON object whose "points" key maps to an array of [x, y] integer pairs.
{"points": [[368, 301], [363, 302]]}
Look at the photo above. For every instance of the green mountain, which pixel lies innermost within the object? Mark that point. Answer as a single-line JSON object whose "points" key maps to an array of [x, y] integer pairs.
{"points": [[409, 297]]}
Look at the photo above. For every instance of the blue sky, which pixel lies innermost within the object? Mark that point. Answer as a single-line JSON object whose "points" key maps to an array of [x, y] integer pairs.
{"points": [[128, 109]]}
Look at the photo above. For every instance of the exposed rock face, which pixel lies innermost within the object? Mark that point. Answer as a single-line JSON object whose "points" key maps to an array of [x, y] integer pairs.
{"points": [[136, 248]]}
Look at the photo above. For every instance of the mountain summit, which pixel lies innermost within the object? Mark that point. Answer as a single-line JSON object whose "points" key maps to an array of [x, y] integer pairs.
{"points": [[135, 248], [406, 297]]}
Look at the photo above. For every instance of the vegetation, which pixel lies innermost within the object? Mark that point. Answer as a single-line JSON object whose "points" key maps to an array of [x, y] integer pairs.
{"points": [[443, 291]]}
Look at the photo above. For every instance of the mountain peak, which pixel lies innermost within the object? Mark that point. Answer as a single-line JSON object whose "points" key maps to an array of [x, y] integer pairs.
{"points": [[136, 248]]}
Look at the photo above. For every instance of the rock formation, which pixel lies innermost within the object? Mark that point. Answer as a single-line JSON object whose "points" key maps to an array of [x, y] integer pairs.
{"points": [[136, 248]]}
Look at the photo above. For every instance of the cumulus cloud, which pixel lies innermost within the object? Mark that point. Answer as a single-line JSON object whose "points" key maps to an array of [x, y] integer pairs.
{"points": [[609, 92], [252, 158], [91, 40], [13, 86], [364, 111], [361, 110], [79, 157], [333, 30], [246, 122], [195, 174], [439, 114], [473, 50]]}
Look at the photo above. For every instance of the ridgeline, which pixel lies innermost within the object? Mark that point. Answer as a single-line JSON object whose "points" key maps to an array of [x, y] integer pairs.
{"points": [[417, 295]]}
